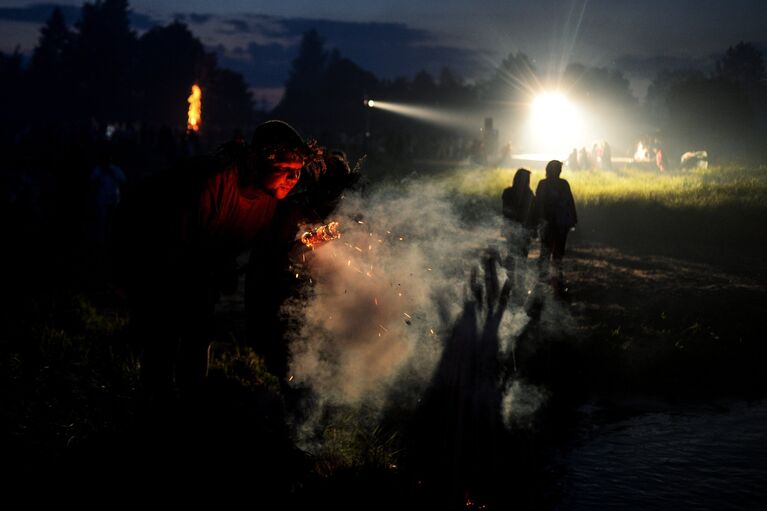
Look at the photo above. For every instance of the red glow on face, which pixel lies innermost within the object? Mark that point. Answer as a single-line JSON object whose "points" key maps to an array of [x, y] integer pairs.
{"points": [[282, 176]]}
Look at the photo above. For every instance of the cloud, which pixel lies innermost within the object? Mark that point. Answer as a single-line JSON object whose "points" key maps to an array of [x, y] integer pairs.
{"points": [[39, 14], [238, 25], [199, 19], [388, 50]]}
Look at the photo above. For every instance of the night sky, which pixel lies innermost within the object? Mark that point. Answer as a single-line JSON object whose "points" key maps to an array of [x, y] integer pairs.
{"points": [[401, 37]]}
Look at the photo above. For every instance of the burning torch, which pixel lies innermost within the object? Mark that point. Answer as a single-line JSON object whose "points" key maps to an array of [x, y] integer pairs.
{"points": [[320, 235], [194, 114]]}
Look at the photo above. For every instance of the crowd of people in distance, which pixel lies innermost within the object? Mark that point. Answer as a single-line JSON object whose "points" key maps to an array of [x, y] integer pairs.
{"points": [[600, 157]]}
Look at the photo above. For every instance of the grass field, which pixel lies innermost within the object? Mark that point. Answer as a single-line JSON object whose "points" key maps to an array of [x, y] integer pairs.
{"points": [[697, 188]]}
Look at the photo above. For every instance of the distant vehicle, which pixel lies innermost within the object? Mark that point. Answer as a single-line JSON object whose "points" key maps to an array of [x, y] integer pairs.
{"points": [[694, 159]]}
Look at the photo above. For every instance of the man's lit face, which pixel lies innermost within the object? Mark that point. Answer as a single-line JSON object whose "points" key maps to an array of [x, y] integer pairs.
{"points": [[282, 174]]}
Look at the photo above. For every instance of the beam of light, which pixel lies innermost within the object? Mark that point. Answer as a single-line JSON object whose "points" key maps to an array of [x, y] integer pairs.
{"points": [[427, 114], [570, 33], [194, 116]]}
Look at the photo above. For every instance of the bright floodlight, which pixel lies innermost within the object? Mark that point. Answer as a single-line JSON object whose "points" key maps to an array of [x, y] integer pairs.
{"points": [[552, 105], [371, 103], [555, 124]]}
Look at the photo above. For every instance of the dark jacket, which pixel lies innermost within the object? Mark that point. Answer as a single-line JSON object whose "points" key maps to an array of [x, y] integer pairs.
{"points": [[554, 203]]}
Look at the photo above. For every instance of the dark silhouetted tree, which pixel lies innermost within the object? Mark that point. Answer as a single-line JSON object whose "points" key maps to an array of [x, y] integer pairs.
{"points": [[743, 64], [599, 84], [11, 88], [344, 84], [170, 60], [514, 79], [301, 103], [104, 61], [656, 100], [451, 89], [229, 103], [49, 70], [49, 58], [424, 88], [711, 113]]}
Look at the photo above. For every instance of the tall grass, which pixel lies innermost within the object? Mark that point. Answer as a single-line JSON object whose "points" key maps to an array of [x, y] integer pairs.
{"points": [[698, 188]]}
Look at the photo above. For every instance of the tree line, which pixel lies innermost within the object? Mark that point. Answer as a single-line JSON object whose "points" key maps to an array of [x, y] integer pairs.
{"points": [[102, 71]]}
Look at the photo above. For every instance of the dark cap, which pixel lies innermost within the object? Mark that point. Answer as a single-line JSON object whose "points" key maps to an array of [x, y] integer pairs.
{"points": [[278, 135]]}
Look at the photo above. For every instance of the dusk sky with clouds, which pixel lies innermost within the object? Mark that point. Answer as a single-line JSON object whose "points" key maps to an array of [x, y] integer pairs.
{"points": [[401, 37]]}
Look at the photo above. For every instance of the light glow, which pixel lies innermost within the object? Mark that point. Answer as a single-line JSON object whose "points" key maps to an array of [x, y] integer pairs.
{"points": [[555, 126]]}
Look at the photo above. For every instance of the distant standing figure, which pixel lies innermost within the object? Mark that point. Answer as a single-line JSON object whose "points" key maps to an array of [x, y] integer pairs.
{"points": [[607, 157], [555, 213], [106, 180], [660, 160], [572, 160], [517, 203], [583, 159]]}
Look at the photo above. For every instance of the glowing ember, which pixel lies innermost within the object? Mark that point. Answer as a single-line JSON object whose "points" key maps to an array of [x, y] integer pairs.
{"points": [[320, 235], [195, 109]]}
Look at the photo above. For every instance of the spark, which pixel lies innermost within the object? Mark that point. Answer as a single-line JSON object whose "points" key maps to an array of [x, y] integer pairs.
{"points": [[383, 328], [358, 249], [290, 378], [408, 316], [375, 300]]}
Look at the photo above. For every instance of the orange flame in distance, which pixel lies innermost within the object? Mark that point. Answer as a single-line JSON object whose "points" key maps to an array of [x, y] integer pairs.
{"points": [[195, 109]]}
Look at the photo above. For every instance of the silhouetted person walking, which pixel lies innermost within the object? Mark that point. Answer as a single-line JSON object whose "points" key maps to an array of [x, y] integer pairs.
{"points": [[518, 216], [555, 213]]}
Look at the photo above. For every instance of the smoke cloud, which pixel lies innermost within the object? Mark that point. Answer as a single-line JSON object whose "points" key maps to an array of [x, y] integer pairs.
{"points": [[384, 294]]}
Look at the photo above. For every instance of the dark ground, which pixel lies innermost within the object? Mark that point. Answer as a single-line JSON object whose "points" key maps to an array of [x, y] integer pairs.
{"points": [[683, 326]]}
